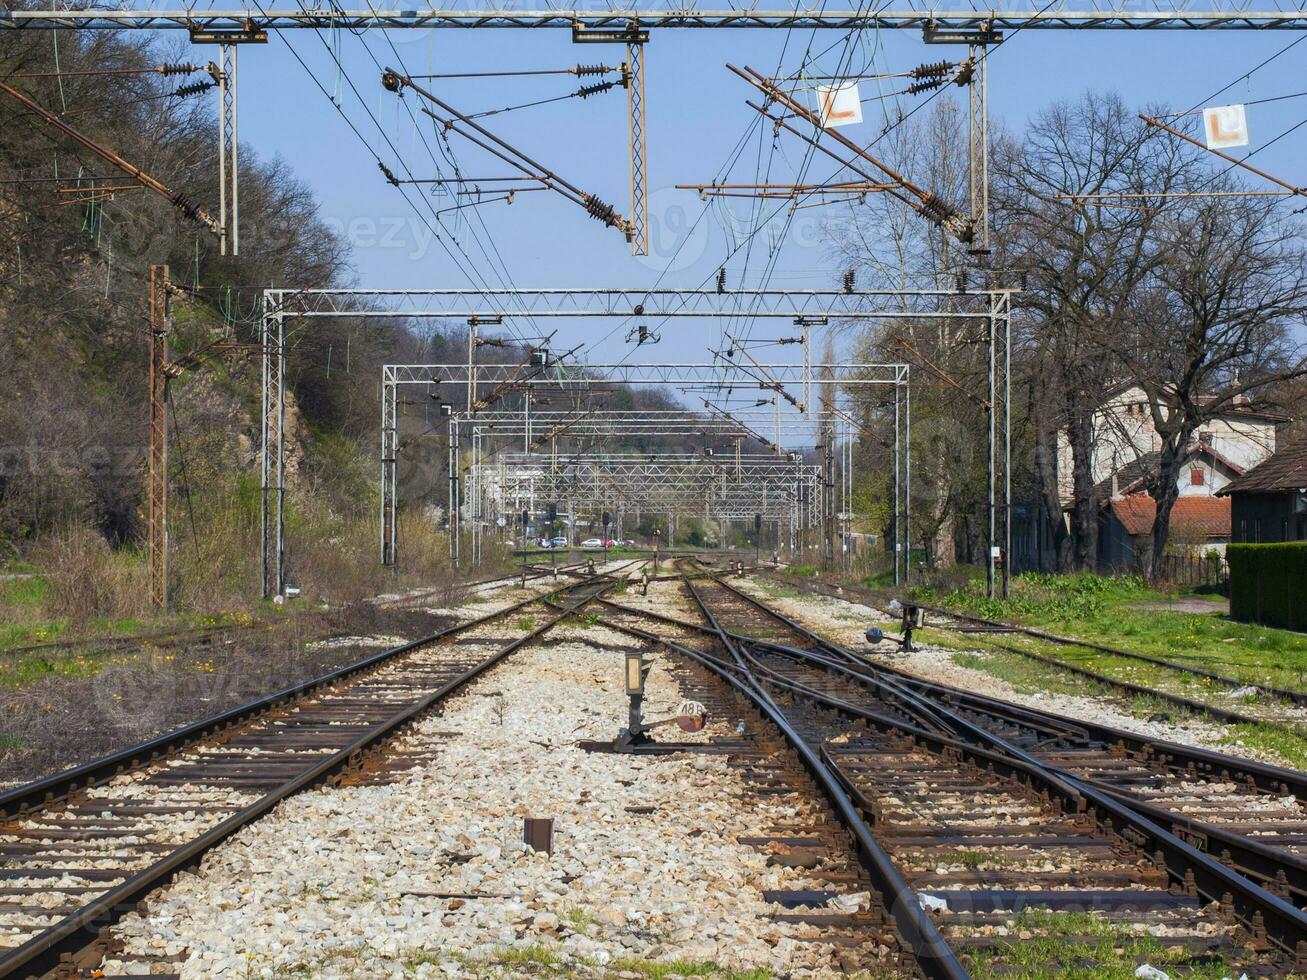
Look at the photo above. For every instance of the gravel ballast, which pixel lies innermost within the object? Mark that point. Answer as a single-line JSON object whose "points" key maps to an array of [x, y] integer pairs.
{"points": [[427, 875]]}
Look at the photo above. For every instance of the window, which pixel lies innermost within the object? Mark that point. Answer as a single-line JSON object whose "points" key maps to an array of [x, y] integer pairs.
{"points": [[1196, 476]]}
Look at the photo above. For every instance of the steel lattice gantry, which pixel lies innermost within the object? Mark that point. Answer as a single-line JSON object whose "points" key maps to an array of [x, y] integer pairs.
{"points": [[280, 305], [836, 432], [783, 491], [909, 14]]}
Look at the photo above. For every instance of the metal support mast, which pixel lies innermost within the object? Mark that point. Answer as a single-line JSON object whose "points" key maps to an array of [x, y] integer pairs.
{"points": [[273, 462], [999, 564], [157, 502], [639, 153], [978, 155], [228, 152]]}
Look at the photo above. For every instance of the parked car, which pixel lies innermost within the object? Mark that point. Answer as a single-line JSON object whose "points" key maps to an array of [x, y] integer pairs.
{"points": [[592, 543], [559, 542]]}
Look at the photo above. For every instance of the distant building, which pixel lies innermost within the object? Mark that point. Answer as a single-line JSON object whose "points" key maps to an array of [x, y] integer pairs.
{"points": [[1199, 526], [1269, 502], [1125, 452], [1126, 443]]}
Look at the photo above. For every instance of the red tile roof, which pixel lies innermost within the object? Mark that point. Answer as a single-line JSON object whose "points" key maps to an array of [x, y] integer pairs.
{"points": [[1190, 516]]}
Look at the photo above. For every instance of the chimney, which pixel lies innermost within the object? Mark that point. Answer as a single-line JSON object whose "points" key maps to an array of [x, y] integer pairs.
{"points": [[1116, 492]]}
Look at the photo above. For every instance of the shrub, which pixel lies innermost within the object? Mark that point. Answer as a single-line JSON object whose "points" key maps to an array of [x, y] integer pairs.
{"points": [[87, 580], [1268, 583]]}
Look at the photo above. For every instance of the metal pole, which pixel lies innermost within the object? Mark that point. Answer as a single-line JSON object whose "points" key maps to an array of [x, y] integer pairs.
{"points": [[991, 539], [265, 342], [907, 481], [157, 518], [1005, 304], [639, 227], [222, 149], [898, 483], [235, 155], [280, 567]]}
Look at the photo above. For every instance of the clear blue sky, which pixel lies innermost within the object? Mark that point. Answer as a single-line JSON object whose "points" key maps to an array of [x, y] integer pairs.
{"points": [[696, 114]]}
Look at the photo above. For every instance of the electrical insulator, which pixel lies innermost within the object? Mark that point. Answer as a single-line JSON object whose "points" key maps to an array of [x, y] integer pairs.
{"points": [[585, 91], [592, 70], [962, 281], [195, 88], [174, 69], [916, 88], [721, 279], [848, 280], [934, 70]]}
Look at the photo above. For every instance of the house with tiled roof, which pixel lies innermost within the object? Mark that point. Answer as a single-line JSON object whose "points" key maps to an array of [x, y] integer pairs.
{"points": [[1126, 450], [1125, 442], [1269, 502]]}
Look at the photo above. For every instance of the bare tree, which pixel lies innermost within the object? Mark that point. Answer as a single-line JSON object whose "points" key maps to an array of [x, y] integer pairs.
{"points": [[1214, 325], [885, 241], [1084, 262]]}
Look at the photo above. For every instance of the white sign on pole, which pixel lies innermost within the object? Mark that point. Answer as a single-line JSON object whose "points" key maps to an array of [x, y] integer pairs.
{"points": [[840, 104], [1225, 126]]}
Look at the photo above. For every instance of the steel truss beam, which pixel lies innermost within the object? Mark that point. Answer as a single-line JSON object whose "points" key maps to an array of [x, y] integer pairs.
{"points": [[785, 491], [721, 374], [638, 302], [909, 14]]}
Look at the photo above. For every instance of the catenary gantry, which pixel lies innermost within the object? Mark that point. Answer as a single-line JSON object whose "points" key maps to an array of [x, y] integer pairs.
{"points": [[903, 14], [797, 491], [988, 307]]}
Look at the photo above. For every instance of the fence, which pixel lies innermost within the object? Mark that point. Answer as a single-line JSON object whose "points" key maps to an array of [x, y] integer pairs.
{"points": [[1196, 571]]}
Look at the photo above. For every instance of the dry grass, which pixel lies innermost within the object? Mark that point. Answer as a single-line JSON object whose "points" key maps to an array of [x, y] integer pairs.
{"points": [[86, 580]]}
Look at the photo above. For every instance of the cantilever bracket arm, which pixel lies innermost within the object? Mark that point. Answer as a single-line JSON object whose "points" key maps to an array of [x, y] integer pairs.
{"points": [[928, 205], [458, 122], [175, 198]]}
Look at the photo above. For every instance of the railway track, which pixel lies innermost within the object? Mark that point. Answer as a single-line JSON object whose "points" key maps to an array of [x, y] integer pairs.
{"points": [[81, 848], [1004, 815], [1193, 689]]}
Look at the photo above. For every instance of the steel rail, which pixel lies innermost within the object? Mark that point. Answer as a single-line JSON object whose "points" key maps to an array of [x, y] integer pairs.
{"points": [[1275, 779], [40, 793], [45, 951], [1282, 870], [1288, 694], [1285, 924], [916, 931], [1286, 777]]}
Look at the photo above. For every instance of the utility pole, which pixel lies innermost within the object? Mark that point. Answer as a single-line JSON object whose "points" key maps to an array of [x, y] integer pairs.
{"points": [[157, 488]]}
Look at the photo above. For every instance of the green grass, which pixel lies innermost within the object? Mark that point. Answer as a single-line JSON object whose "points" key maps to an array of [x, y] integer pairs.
{"points": [[1289, 747], [1111, 952], [1025, 676], [657, 969], [1105, 610], [526, 623]]}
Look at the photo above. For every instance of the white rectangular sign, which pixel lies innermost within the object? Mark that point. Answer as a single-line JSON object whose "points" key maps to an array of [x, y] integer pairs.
{"points": [[1225, 126], [840, 105]]}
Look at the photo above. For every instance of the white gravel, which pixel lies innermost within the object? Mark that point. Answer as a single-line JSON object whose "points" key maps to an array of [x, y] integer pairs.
{"points": [[330, 884]]}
